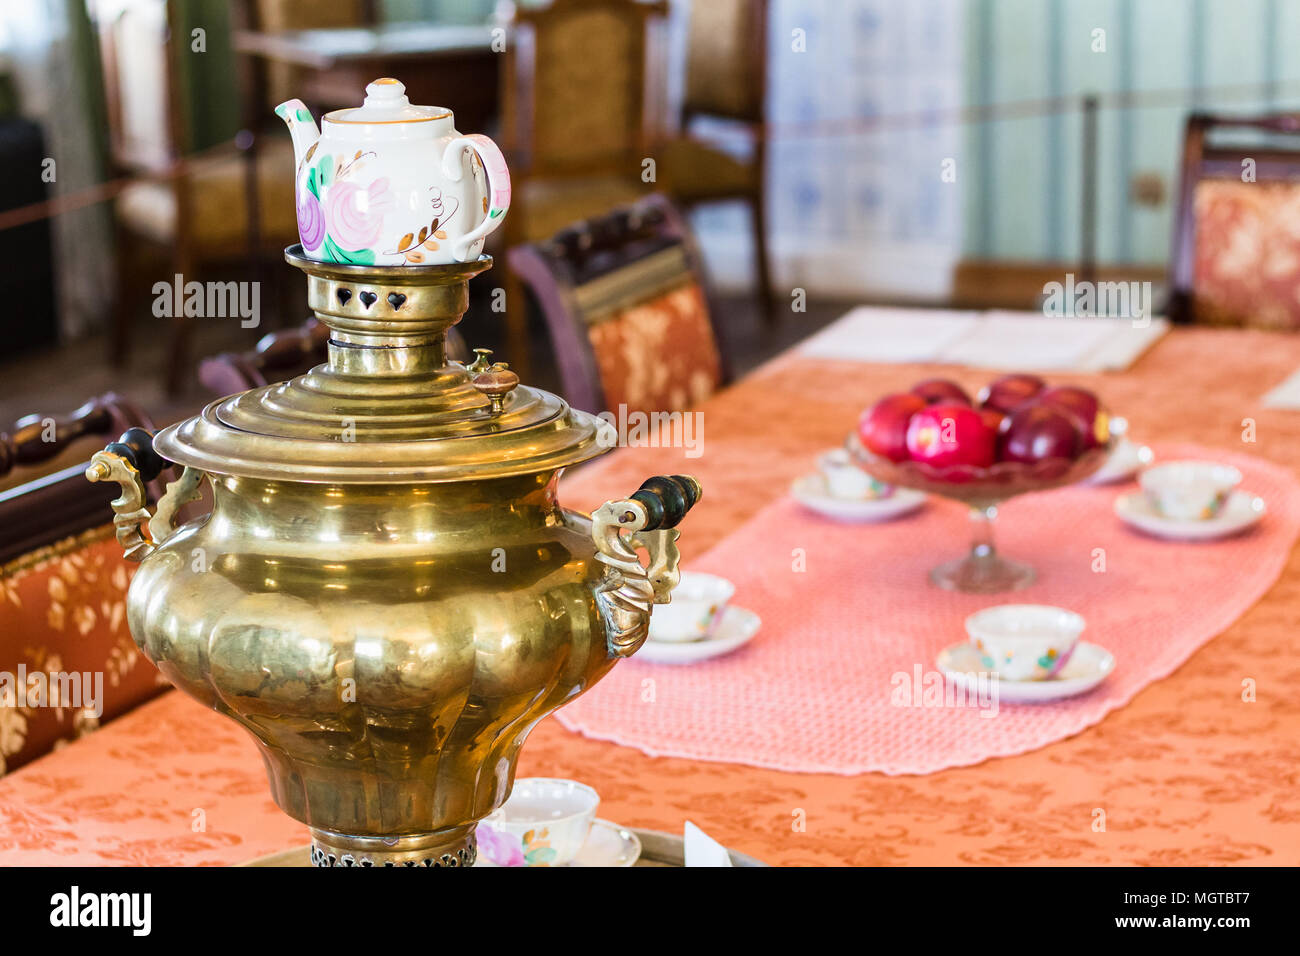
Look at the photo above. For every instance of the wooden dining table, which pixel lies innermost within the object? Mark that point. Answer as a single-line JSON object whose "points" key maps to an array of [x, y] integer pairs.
{"points": [[1188, 772]]}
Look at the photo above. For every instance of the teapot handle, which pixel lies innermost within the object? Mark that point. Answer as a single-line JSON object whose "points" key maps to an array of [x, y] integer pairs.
{"points": [[498, 181], [650, 516], [131, 461]]}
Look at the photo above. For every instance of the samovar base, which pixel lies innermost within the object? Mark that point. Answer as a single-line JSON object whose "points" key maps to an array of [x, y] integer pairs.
{"points": [[452, 847]]}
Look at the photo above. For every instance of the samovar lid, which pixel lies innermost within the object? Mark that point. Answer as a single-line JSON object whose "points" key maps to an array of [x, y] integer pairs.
{"points": [[387, 407]]}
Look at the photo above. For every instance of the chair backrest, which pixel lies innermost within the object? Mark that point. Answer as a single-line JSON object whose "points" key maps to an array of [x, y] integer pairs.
{"points": [[1234, 237], [627, 310], [63, 583], [145, 115], [45, 508], [726, 60], [279, 356], [574, 90]]}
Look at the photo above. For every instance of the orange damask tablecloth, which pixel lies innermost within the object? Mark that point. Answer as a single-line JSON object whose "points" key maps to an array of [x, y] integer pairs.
{"points": [[1187, 773]]}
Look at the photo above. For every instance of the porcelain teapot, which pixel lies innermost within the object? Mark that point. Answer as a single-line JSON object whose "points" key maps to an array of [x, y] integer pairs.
{"points": [[391, 184]]}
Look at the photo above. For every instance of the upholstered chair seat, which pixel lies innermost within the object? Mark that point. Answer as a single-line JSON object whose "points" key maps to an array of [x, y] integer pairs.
{"points": [[219, 198], [695, 171]]}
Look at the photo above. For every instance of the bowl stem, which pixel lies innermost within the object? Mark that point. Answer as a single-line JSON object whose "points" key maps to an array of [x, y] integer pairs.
{"points": [[983, 570]]}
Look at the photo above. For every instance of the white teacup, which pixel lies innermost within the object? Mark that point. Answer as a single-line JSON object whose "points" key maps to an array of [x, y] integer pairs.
{"points": [[1025, 641], [1189, 490], [697, 606], [544, 822], [844, 479]]}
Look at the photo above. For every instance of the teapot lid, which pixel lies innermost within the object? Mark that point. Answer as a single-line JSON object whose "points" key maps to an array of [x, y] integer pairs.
{"points": [[386, 102], [387, 407]]}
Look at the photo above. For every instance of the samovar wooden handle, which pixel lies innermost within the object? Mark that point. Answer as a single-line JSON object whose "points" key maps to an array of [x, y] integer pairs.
{"points": [[649, 517], [131, 461]]}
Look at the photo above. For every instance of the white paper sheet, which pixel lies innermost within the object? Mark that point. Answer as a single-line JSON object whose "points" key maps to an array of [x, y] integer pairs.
{"points": [[869, 334], [1027, 341], [1285, 395], [702, 850]]}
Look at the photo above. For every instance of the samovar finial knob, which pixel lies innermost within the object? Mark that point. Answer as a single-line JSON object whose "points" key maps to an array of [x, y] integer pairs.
{"points": [[496, 383]]}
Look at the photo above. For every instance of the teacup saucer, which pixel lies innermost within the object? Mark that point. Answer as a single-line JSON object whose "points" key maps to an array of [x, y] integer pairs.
{"points": [[1127, 459], [608, 844], [1239, 512], [811, 492], [1088, 666], [735, 628]]}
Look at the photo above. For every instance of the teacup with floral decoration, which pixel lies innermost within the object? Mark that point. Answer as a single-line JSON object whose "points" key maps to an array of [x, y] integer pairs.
{"points": [[1025, 642], [1189, 490], [389, 184], [544, 822]]}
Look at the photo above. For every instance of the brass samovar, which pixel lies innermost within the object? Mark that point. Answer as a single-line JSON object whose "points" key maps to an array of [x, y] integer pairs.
{"points": [[387, 594]]}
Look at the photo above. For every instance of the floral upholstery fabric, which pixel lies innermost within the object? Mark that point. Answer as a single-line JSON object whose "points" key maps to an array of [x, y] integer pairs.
{"points": [[659, 356], [63, 611], [1247, 260]]}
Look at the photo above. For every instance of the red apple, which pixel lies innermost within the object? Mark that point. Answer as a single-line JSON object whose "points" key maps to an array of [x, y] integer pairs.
{"points": [[1006, 393], [1040, 431], [936, 390], [994, 419], [883, 426], [951, 434], [1083, 405]]}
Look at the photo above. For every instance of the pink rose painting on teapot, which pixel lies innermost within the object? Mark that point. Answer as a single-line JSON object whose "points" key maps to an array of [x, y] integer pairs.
{"points": [[388, 183]]}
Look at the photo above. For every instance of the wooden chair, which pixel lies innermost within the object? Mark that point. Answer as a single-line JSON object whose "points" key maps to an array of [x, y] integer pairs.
{"points": [[196, 210], [574, 107], [44, 494], [726, 80], [280, 356], [1236, 255], [627, 311], [63, 577]]}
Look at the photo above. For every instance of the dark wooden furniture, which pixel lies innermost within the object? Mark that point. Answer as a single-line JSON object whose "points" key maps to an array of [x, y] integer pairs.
{"points": [[1206, 157], [575, 101], [194, 210], [726, 84], [280, 356], [598, 270], [440, 64], [45, 508], [26, 250]]}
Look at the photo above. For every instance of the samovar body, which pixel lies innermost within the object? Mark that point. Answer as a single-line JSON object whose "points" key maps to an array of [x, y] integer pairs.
{"points": [[386, 592]]}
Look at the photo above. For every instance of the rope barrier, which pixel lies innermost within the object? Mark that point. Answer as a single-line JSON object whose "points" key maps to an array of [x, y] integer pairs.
{"points": [[848, 127]]}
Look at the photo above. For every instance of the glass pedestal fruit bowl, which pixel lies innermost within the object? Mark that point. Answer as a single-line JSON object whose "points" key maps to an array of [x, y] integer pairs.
{"points": [[983, 490]]}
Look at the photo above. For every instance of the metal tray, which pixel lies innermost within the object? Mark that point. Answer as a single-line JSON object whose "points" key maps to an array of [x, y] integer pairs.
{"points": [[657, 849]]}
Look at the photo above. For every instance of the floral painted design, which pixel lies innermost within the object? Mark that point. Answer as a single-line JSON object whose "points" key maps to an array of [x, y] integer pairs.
{"points": [[498, 847], [356, 214], [412, 245], [311, 222], [504, 849]]}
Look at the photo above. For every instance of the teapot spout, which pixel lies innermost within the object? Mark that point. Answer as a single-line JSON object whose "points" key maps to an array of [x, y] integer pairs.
{"points": [[301, 127]]}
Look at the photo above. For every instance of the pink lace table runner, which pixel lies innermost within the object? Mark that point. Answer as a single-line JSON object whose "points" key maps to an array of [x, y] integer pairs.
{"points": [[848, 608]]}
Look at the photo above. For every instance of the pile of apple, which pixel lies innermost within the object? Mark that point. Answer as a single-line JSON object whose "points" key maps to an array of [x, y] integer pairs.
{"points": [[1014, 418]]}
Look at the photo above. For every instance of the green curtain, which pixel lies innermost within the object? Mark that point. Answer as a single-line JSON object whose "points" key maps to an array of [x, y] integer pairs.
{"points": [[207, 79]]}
